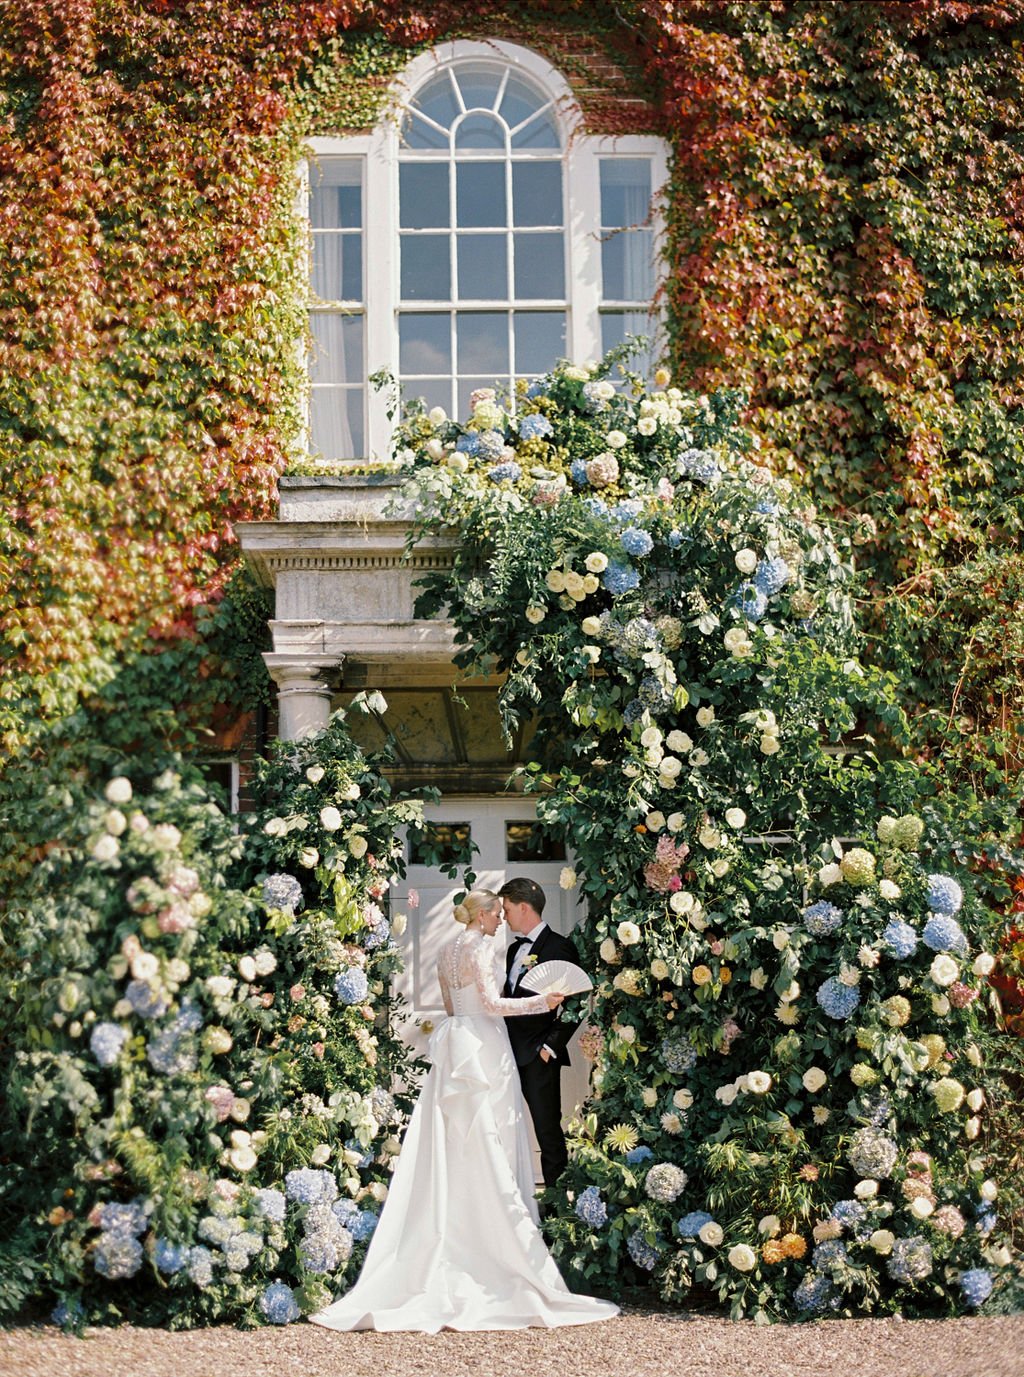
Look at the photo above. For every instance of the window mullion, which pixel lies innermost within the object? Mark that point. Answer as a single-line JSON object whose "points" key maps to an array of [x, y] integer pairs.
{"points": [[381, 285], [583, 208]]}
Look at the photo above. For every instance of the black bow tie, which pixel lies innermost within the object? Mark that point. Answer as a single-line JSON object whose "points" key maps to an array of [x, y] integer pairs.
{"points": [[519, 942]]}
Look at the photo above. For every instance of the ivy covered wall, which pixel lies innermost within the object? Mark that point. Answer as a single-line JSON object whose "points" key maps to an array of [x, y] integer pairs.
{"points": [[845, 240]]}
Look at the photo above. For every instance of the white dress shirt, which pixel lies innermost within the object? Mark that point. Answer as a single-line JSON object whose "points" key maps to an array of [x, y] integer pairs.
{"points": [[520, 959]]}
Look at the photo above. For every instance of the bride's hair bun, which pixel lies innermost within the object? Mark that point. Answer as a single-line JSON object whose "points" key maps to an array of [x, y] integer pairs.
{"points": [[461, 913]]}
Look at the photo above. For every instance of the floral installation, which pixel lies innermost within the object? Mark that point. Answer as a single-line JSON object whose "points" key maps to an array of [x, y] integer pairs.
{"points": [[209, 1079], [790, 1011]]}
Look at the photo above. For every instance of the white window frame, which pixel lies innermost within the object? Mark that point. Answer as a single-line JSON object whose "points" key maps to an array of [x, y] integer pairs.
{"points": [[581, 159]]}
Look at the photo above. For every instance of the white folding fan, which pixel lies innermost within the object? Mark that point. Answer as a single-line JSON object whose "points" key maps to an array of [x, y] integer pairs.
{"points": [[557, 977]]}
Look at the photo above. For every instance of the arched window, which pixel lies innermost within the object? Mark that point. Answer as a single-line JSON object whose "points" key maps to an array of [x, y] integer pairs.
{"points": [[474, 241]]}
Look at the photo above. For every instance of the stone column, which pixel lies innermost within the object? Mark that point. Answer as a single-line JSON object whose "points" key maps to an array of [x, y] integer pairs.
{"points": [[304, 687]]}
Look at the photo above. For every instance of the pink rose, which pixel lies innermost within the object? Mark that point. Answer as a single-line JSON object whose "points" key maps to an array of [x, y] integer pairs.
{"points": [[318, 1050], [297, 992]]}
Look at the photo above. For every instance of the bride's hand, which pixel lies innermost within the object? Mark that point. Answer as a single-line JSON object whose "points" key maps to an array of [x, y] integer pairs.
{"points": [[554, 1000]]}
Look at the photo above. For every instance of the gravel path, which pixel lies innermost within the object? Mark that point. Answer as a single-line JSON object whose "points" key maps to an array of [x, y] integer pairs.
{"points": [[639, 1344]]}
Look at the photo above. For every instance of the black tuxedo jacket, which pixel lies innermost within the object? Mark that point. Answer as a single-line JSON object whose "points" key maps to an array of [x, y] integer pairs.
{"points": [[531, 1032]]}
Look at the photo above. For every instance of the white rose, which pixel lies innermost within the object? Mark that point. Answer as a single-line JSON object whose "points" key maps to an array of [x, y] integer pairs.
{"points": [[118, 790], [434, 448], [736, 818], [882, 1240], [247, 968], [330, 818], [649, 737], [940, 1005], [659, 968], [115, 822], [220, 986], [705, 716], [320, 1155], [830, 874], [646, 425], [973, 1054], [275, 827], [437, 416], [780, 939], [616, 439], [769, 1225], [555, 580], [758, 978], [742, 1257], [626, 1032], [350, 793], [535, 614], [711, 1234], [358, 845], [670, 767], [888, 889], [649, 1097], [590, 626], [988, 1190], [682, 901], [866, 1189], [737, 643], [922, 1207], [145, 966], [769, 745], [655, 821], [813, 1079], [709, 837], [699, 758], [106, 848], [308, 857], [678, 741], [458, 462], [719, 868], [943, 969], [315, 774], [242, 1158], [266, 962], [609, 952], [972, 1128], [984, 963], [683, 1099], [675, 822], [628, 934], [567, 878], [379, 1191], [975, 1100], [726, 1093], [596, 563], [746, 560], [758, 1082]]}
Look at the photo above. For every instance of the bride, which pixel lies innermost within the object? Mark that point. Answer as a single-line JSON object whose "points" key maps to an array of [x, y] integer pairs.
{"points": [[458, 1246]]}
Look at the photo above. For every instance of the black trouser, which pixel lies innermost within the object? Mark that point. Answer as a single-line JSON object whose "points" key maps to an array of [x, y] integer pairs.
{"points": [[542, 1091]]}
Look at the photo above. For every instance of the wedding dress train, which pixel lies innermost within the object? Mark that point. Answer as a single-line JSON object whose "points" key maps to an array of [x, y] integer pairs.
{"points": [[458, 1245]]}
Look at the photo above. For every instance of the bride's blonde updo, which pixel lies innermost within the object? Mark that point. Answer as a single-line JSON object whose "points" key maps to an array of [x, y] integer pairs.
{"points": [[476, 901]]}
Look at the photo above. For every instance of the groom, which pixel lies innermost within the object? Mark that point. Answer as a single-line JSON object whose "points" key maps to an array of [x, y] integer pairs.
{"points": [[538, 1040]]}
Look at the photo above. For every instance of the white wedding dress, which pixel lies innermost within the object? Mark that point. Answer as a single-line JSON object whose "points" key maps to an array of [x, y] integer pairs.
{"points": [[458, 1246]]}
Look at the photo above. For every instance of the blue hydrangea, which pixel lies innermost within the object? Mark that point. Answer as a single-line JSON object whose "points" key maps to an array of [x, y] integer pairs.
{"points": [[169, 1055], [638, 635], [106, 1041], [270, 1204], [619, 578], [822, 918], [351, 985], [188, 1019], [596, 506], [976, 1286], [766, 506], [117, 1255], [385, 1111], [750, 601], [537, 387], [944, 895], [944, 934], [848, 1212], [366, 1155], [639, 1154], [814, 1294], [468, 444], [985, 1221], [218, 1230], [362, 1226], [592, 400], [491, 444], [278, 1303], [283, 892], [146, 1001], [772, 574], [308, 1186], [169, 1257], [578, 472], [626, 511], [200, 1266], [326, 1249], [67, 1313], [535, 427], [675, 538], [377, 936], [636, 542], [124, 1220], [830, 1253], [345, 1211], [838, 1000], [699, 464], [679, 1055], [900, 938], [591, 1208], [691, 1224], [654, 694], [508, 472], [644, 1254], [911, 1260]]}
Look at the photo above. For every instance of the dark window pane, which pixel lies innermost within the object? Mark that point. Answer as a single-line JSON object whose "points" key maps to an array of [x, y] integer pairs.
{"points": [[336, 422], [483, 342], [336, 194], [540, 340], [441, 843], [480, 131], [627, 268], [480, 194], [520, 101], [524, 841], [479, 88], [338, 267], [539, 267], [483, 271], [625, 191], [432, 391], [423, 195], [426, 274], [424, 343], [536, 193], [337, 354], [616, 325]]}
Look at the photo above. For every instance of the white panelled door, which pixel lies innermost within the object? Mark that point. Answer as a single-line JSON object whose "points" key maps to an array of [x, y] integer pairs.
{"points": [[500, 829]]}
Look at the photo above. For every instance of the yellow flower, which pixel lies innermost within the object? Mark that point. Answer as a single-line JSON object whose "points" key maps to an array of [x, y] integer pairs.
{"points": [[700, 975], [621, 1138], [793, 1245], [788, 1014]]}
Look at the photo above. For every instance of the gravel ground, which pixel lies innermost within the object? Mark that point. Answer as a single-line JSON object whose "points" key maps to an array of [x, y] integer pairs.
{"points": [[640, 1344]]}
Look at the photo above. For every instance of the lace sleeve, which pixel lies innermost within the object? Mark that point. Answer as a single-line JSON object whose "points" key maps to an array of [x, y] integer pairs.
{"points": [[446, 994], [482, 964]]}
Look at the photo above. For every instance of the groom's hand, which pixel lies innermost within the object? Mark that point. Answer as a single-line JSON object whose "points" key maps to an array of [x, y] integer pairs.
{"points": [[546, 1054]]}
